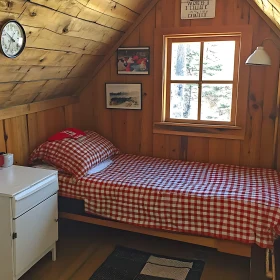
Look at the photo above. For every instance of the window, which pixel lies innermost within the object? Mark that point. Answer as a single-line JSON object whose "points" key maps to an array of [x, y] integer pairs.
{"points": [[201, 79], [201, 82]]}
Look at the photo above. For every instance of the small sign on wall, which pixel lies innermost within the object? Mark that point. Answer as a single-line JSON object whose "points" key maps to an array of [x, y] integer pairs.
{"points": [[194, 9]]}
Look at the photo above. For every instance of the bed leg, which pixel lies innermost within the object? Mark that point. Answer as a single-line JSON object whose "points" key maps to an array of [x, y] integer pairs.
{"points": [[257, 267], [277, 258]]}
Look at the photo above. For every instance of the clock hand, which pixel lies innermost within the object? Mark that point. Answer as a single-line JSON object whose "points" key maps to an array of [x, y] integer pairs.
{"points": [[13, 40], [9, 46]]}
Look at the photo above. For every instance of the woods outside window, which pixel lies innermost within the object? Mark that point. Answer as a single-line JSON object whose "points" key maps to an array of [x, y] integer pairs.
{"points": [[202, 86], [201, 79]]}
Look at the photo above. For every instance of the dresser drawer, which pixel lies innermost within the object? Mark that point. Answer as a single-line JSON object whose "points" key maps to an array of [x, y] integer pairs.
{"points": [[28, 199]]}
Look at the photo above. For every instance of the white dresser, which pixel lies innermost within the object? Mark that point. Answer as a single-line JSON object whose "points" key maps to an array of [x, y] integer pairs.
{"points": [[28, 218]]}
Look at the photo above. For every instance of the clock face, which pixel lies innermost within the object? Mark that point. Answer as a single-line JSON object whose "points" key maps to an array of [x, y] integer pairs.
{"points": [[13, 39]]}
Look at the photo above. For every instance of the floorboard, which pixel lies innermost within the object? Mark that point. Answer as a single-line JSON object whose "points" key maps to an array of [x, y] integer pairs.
{"points": [[82, 248]]}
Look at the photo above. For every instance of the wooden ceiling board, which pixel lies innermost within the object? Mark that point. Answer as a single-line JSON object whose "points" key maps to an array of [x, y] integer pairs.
{"points": [[59, 88], [14, 6], [271, 8], [68, 42], [23, 93], [7, 87], [137, 6], [63, 24], [108, 14], [46, 39], [85, 66], [41, 57], [12, 72], [4, 97], [114, 9]]}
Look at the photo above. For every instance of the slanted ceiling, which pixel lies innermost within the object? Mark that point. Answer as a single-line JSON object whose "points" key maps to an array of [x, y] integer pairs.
{"points": [[66, 39], [272, 9]]}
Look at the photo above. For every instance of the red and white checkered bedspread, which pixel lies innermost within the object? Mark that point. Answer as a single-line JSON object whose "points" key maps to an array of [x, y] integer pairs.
{"points": [[220, 201]]}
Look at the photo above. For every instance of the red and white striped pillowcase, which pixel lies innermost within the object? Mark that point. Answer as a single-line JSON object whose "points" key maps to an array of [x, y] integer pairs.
{"points": [[75, 156]]}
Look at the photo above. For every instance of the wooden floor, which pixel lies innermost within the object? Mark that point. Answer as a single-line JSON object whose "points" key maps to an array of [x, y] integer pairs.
{"points": [[82, 248]]}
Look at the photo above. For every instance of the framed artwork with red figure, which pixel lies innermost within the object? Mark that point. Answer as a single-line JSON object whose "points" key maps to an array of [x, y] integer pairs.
{"points": [[133, 61]]}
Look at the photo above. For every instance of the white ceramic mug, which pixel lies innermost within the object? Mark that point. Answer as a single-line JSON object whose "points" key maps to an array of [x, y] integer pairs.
{"points": [[8, 160]]}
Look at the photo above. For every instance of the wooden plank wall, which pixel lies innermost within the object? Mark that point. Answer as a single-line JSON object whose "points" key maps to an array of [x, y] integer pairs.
{"points": [[132, 131], [65, 42], [20, 135], [271, 10]]}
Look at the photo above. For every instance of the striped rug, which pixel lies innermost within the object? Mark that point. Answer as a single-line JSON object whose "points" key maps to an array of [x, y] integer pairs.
{"points": [[130, 264]]}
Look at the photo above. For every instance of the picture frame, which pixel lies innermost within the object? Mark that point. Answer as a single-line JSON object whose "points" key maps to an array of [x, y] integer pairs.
{"points": [[123, 96], [191, 9], [133, 61]]}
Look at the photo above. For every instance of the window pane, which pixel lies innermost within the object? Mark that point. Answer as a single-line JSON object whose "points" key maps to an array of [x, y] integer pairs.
{"points": [[216, 102], [218, 61], [185, 61], [184, 101]]}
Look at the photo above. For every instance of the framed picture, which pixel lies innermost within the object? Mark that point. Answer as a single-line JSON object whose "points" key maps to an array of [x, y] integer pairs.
{"points": [[133, 61], [124, 96], [191, 9]]}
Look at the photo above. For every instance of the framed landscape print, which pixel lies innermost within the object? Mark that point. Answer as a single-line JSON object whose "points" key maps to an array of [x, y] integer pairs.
{"points": [[133, 61], [124, 96]]}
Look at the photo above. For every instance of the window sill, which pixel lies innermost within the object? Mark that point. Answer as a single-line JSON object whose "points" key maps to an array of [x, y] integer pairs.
{"points": [[199, 130]]}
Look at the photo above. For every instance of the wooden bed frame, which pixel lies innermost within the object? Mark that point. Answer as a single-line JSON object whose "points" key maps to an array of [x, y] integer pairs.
{"points": [[257, 254]]}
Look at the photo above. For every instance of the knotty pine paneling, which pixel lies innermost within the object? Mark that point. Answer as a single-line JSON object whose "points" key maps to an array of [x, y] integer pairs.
{"points": [[66, 40], [2, 137], [22, 134], [17, 138], [102, 12], [132, 132], [269, 10], [43, 124]]}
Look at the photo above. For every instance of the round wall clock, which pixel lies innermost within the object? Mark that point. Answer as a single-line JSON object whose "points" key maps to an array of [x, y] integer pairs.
{"points": [[13, 39]]}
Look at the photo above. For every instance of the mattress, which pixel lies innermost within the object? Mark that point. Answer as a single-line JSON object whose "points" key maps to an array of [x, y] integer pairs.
{"points": [[220, 201]]}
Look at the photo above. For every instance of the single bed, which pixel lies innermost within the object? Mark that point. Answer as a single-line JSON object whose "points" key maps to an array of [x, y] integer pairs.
{"points": [[229, 208], [219, 201]]}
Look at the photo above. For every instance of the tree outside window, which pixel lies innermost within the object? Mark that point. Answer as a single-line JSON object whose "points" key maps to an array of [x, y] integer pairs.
{"points": [[201, 82]]}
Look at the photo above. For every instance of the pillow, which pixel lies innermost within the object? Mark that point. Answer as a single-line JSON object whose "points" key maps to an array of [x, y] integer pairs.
{"points": [[75, 156], [98, 168], [67, 133]]}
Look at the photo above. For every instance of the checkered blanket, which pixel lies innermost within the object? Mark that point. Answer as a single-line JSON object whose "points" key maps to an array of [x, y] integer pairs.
{"points": [[220, 201]]}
